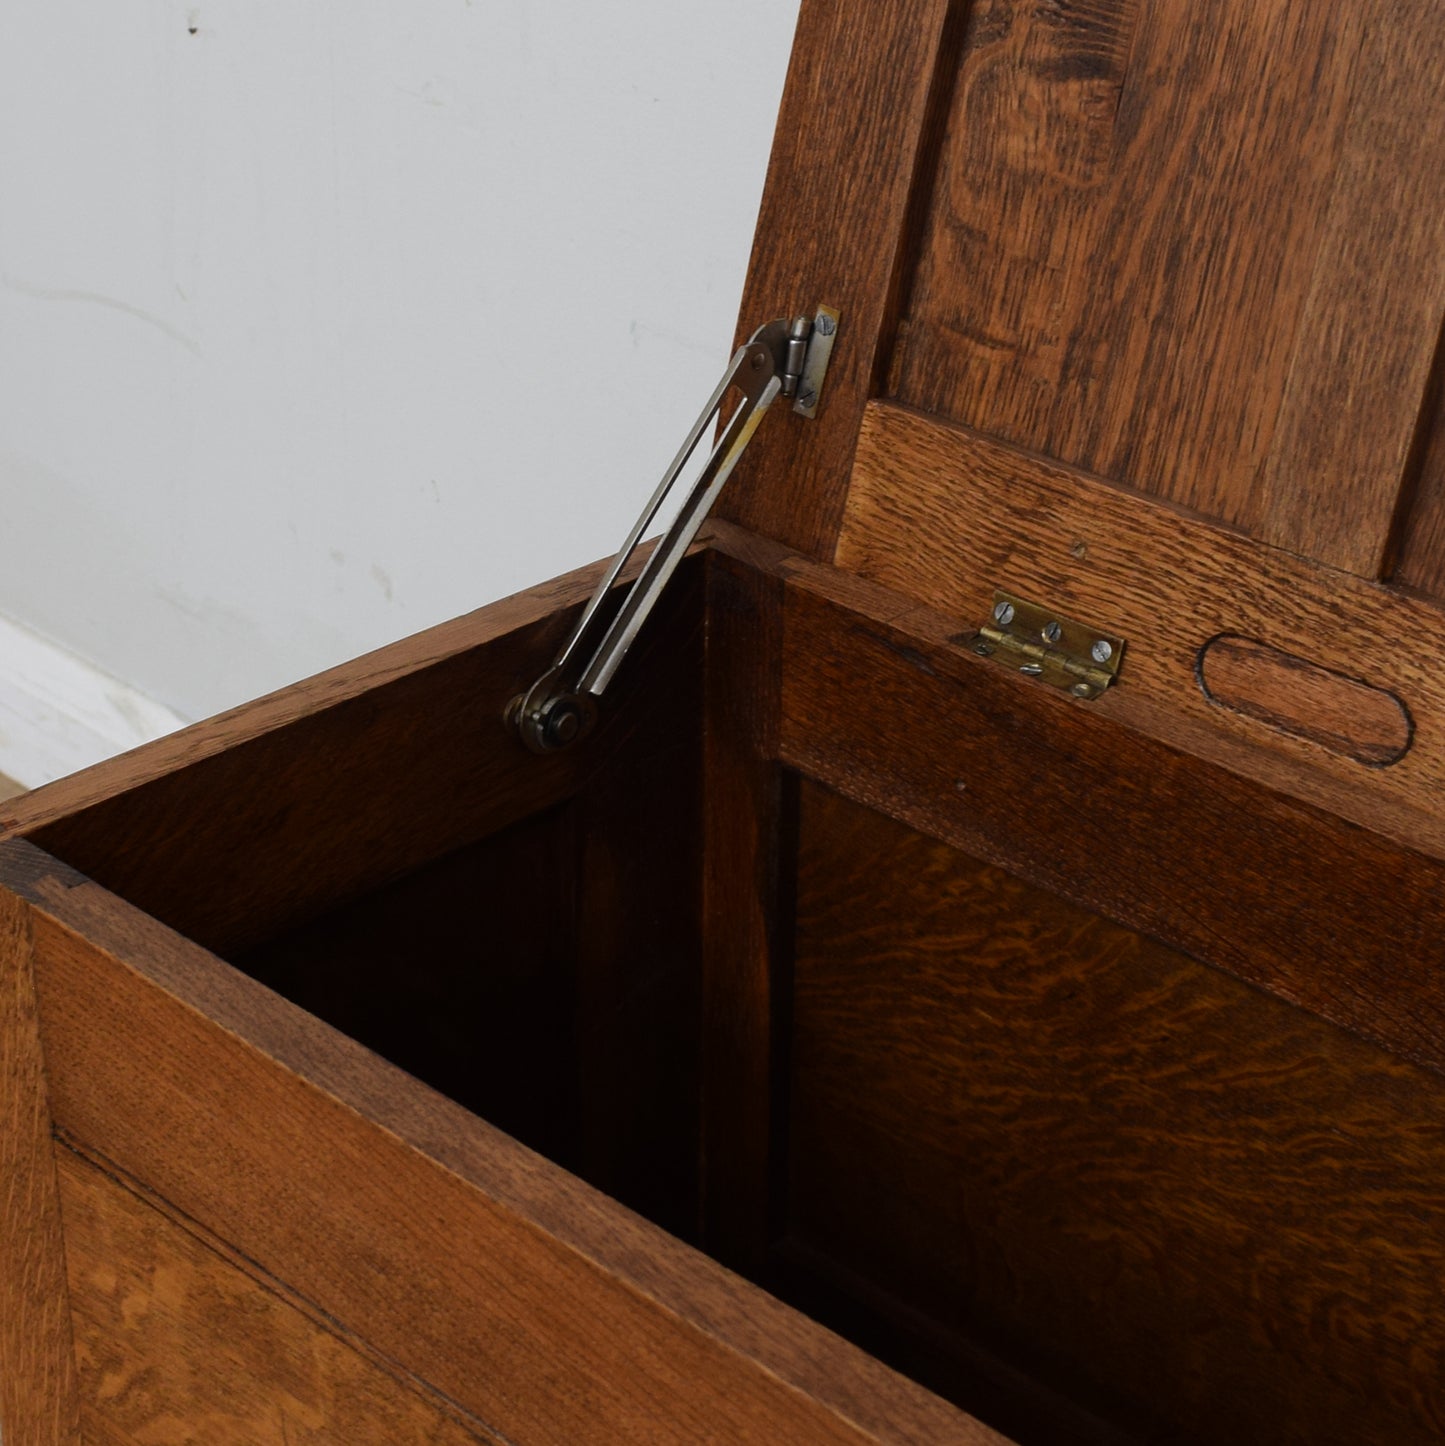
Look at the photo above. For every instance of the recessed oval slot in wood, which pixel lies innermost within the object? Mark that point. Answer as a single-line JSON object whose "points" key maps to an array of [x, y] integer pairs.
{"points": [[1297, 697]]}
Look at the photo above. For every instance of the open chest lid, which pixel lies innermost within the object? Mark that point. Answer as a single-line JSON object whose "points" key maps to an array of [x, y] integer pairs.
{"points": [[1140, 321]]}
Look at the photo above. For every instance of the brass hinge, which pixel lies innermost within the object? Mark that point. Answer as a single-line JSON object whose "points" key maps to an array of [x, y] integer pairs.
{"points": [[1043, 644]]}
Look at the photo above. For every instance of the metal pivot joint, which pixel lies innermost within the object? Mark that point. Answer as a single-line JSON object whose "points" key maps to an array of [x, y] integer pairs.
{"points": [[783, 358]]}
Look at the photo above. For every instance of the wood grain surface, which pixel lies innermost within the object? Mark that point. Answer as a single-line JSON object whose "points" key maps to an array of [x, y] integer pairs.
{"points": [[1203, 1213], [833, 228], [1345, 457], [178, 1340], [637, 840], [947, 516], [886, 702], [1187, 247], [539, 1307], [342, 782], [38, 1401], [741, 858], [1340, 714], [1422, 525]]}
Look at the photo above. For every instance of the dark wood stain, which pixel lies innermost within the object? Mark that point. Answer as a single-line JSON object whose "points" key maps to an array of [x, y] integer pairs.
{"points": [[848, 157], [1369, 725], [742, 947], [1203, 1212], [1288, 897], [464, 974], [1185, 247]]}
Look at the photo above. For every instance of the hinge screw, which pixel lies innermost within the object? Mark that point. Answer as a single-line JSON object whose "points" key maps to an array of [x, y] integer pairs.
{"points": [[825, 324], [1003, 613], [1052, 632], [1082, 690], [1102, 651]]}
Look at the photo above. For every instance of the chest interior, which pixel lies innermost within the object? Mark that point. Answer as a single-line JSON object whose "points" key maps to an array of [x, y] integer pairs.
{"points": [[1080, 1057]]}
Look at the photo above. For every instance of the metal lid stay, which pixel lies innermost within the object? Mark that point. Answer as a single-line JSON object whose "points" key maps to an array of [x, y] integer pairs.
{"points": [[783, 358]]}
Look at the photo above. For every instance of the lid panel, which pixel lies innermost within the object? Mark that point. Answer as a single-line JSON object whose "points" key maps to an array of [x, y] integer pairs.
{"points": [[832, 228], [1193, 249], [1422, 532]]}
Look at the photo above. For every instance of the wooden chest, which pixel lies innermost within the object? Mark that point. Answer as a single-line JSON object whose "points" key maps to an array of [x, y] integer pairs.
{"points": [[1070, 1043]]}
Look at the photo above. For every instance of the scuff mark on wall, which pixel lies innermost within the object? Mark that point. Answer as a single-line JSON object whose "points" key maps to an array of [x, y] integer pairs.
{"points": [[94, 298]]}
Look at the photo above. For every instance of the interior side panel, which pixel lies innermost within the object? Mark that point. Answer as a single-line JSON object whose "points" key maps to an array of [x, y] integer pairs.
{"points": [[1015, 1126], [519, 932], [463, 973], [348, 781], [546, 978]]}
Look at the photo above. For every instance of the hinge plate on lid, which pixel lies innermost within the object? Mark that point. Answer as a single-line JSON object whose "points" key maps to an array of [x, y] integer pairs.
{"points": [[819, 342], [1040, 643]]}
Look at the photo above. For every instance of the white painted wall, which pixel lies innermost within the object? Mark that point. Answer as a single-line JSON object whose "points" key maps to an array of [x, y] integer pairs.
{"points": [[321, 322]]}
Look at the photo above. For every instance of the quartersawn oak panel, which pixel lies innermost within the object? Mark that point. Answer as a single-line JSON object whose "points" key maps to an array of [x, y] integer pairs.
{"points": [[177, 1342], [1194, 248], [883, 702], [946, 516], [1208, 1213], [1361, 380], [1422, 542], [532, 1302]]}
